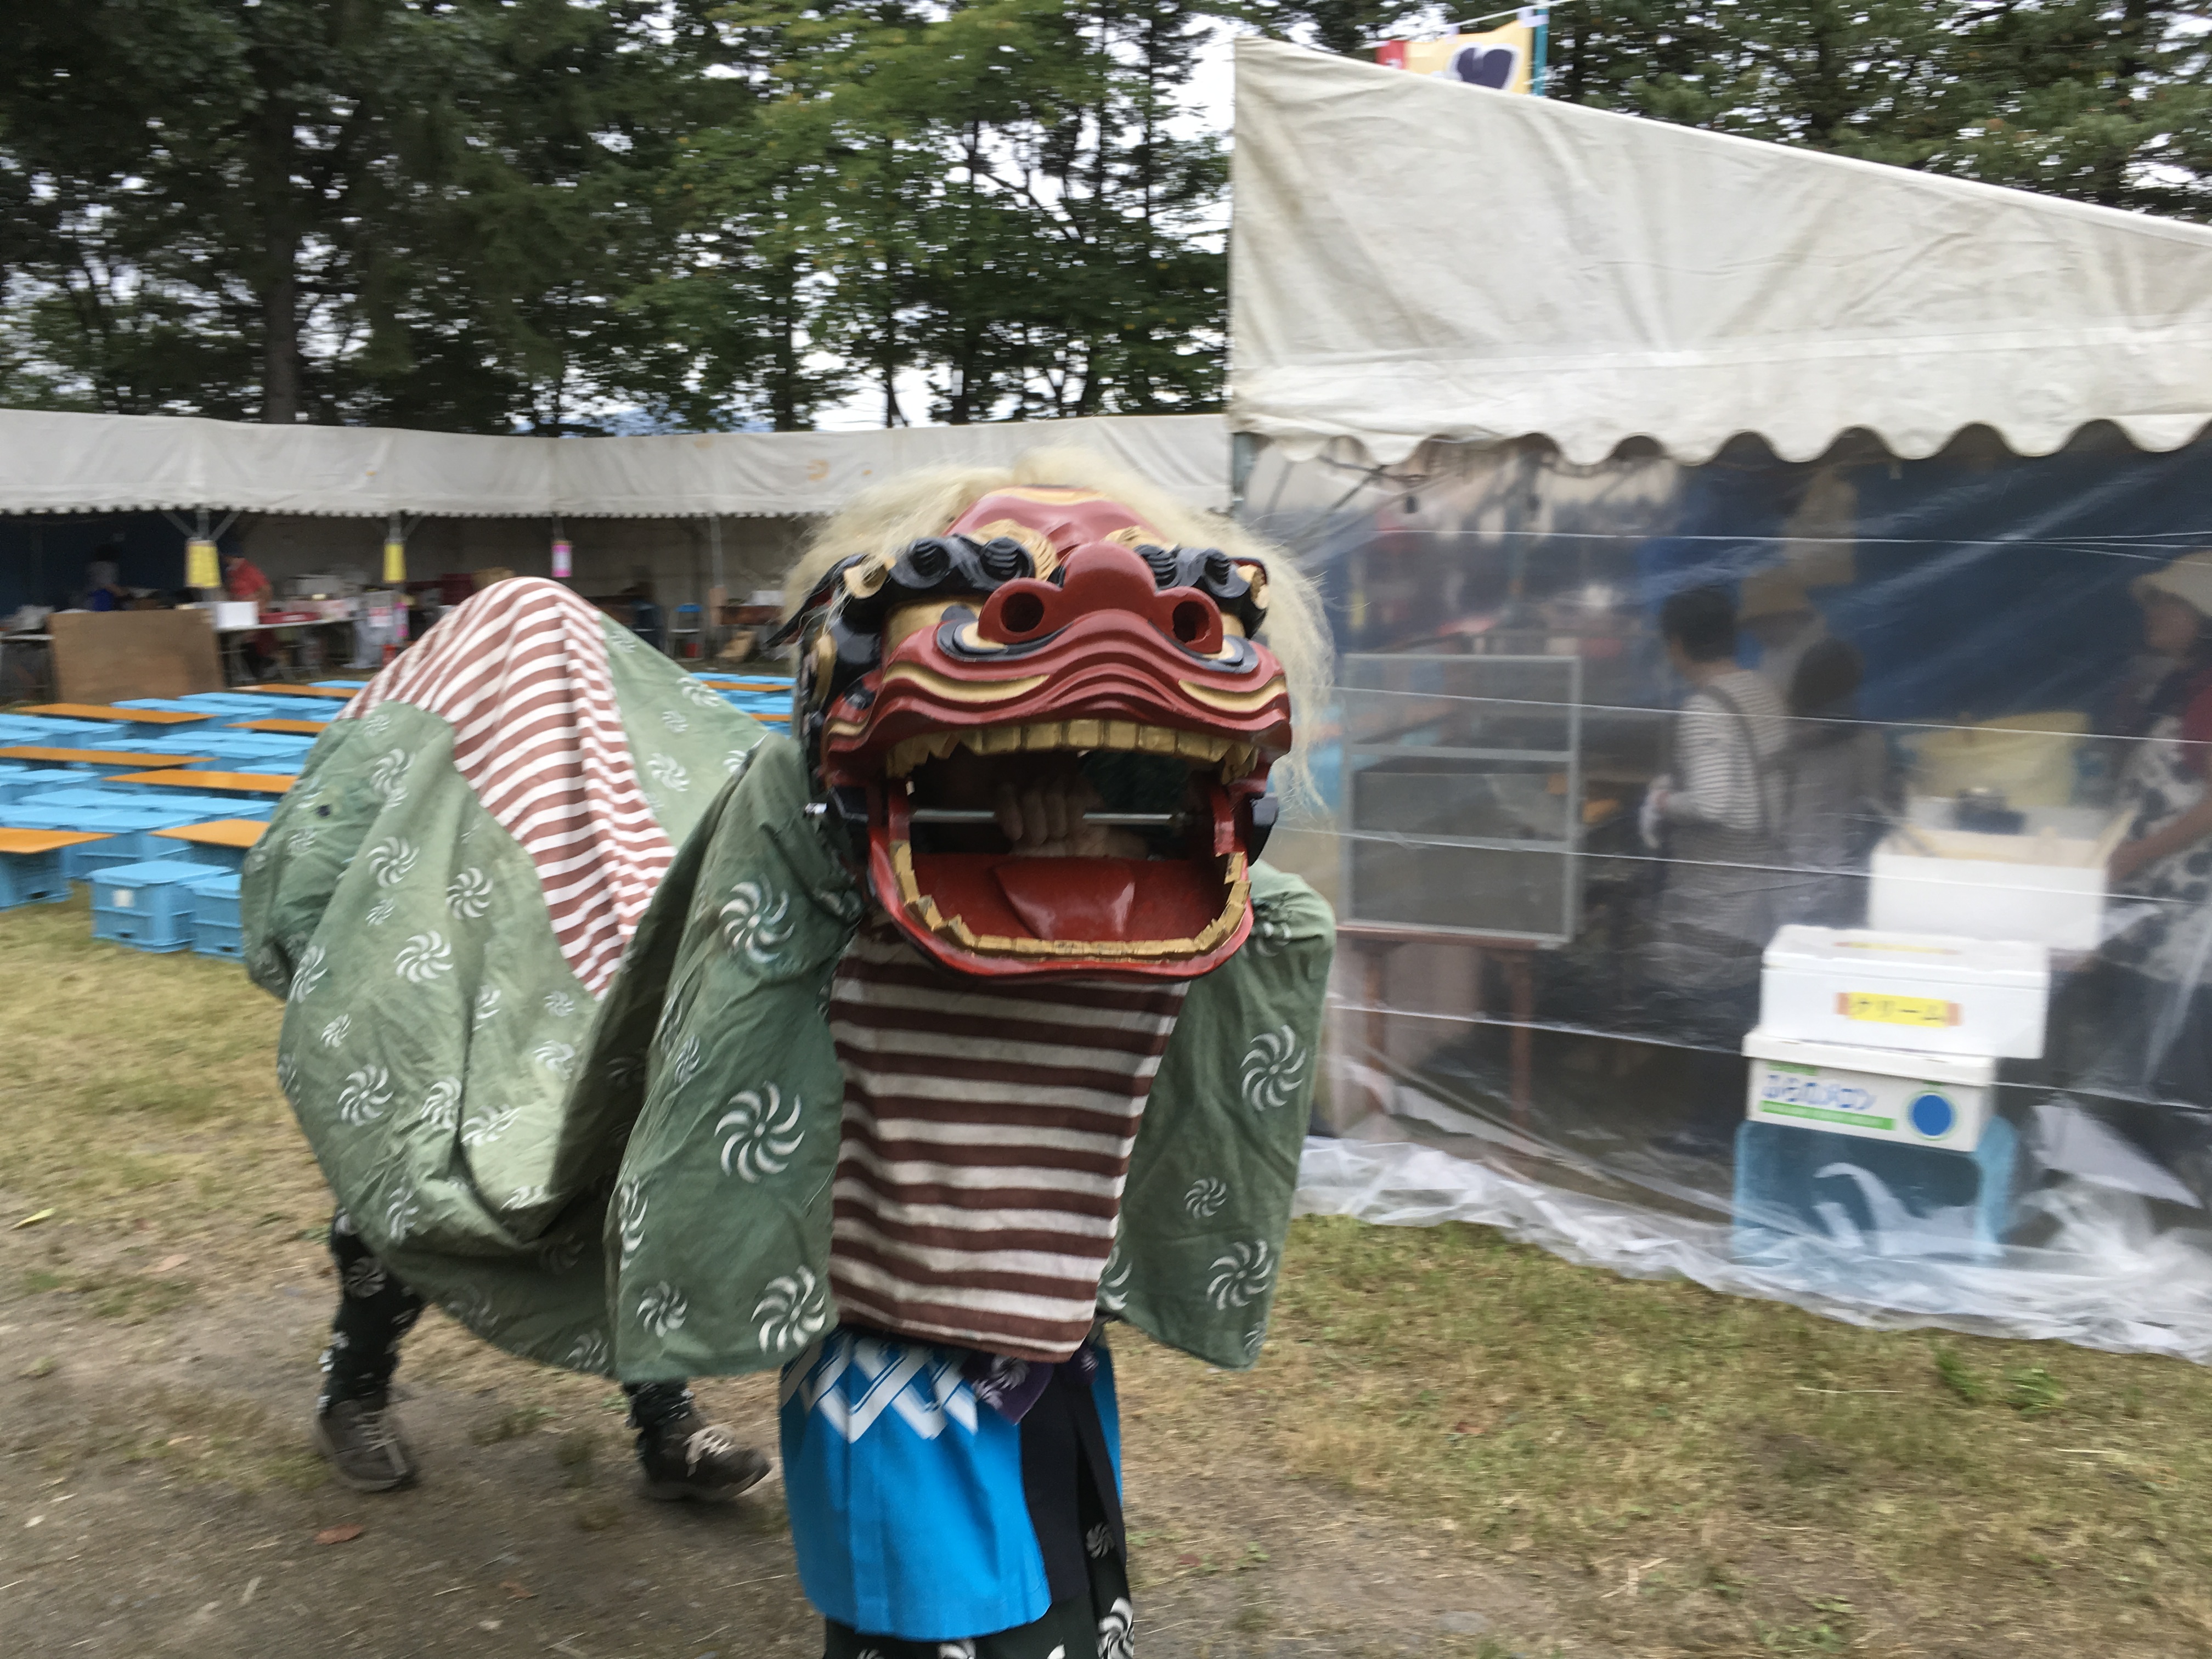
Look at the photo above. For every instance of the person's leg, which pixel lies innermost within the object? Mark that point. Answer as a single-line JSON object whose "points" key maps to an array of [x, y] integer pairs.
{"points": [[354, 1426], [683, 1455]]}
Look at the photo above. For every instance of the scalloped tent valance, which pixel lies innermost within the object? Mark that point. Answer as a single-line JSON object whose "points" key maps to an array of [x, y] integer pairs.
{"points": [[53, 463], [1413, 259]]}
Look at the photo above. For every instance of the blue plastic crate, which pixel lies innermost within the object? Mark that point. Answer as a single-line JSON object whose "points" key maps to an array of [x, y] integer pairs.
{"points": [[164, 802], [129, 838], [87, 860], [1819, 1201], [220, 859], [33, 877], [59, 729], [216, 929], [147, 906], [36, 780]]}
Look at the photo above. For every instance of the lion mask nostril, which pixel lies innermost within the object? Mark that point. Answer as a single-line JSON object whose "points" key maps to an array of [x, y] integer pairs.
{"points": [[1021, 613], [1190, 620]]}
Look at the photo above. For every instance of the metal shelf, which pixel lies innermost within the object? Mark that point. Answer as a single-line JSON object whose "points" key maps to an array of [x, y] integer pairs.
{"points": [[1403, 867]]}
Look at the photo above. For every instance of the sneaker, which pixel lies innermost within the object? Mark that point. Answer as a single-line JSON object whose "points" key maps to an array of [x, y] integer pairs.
{"points": [[693, 1458], [363, 1444]]}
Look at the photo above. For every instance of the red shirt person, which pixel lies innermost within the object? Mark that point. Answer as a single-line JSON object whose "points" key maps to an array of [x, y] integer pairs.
{"points": [[242, 580]]}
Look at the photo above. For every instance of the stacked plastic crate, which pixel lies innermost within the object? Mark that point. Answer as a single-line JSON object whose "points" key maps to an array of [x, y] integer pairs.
{"points": [[161, 858]]}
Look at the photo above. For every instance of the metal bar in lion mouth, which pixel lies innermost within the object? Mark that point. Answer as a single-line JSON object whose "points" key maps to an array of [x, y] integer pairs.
{"points": [[984, 815]]}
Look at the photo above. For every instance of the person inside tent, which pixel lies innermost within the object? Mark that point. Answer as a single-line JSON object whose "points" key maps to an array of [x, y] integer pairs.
{"points": [[2157, 1037], [1834, 779], [242, 580], [104, 580], [1716, 818]]}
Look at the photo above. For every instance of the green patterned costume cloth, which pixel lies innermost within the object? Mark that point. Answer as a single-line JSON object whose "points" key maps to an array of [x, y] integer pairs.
{"points": [[593, 1112]]}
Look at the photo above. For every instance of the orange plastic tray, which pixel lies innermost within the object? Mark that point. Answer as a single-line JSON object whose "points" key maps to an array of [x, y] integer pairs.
{"points": [[222, 832], [38, 751], [43, 841], [241, 783], [101, 711]]}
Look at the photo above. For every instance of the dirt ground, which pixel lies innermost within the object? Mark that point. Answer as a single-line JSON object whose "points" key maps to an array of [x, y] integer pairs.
{"points": [[158, 1496]]}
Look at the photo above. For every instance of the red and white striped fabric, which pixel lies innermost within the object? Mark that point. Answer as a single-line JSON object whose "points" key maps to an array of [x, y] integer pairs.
{"points": [[986, 1140], [520, 672]]}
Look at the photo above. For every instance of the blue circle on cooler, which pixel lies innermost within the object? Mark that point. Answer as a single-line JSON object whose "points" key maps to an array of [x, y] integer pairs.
{"points": [[1932, 1115]]}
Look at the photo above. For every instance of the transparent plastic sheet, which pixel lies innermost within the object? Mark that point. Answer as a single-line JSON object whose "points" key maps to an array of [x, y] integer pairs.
{"points": [[1905, 703]]}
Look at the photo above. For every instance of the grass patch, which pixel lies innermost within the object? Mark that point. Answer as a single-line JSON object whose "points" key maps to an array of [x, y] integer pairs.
{"points": [[1713, 1474], [141, 1087]]}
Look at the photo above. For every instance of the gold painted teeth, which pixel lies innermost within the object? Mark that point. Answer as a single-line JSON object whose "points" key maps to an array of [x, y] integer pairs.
{"points": [[1234, 759]]}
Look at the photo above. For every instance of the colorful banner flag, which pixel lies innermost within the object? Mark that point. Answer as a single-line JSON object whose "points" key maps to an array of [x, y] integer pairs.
{"points": [[1508, 59]]}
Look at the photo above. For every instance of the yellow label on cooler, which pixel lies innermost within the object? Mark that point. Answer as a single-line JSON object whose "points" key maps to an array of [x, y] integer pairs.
{"points": [[1881, 1008]]}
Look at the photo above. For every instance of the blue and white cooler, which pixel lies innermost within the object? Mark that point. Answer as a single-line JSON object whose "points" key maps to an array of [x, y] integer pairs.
{"points": [[1871, 1121]]}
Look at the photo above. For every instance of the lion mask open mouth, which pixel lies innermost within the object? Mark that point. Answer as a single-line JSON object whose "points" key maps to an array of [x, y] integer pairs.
{"points": [[1048, 636]]}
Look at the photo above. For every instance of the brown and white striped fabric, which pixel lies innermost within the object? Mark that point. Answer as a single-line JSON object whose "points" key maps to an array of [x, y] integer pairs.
{"points": [[520, 672], [986, 1140]]}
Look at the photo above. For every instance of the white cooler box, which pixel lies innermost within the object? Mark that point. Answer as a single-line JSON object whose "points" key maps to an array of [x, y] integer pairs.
{"points": [[1928, 993], [2045, 883], [1884, 1094]]}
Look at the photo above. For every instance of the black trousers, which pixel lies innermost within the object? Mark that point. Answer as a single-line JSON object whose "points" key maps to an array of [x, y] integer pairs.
{"points": [[376, 1310]]}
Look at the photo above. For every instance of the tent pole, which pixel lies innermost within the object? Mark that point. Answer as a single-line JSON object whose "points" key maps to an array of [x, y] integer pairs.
{"points": [[710, 626], [1244, 456]]}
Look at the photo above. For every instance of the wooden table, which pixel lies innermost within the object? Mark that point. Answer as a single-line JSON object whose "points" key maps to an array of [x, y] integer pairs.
{"points": [[1372, 944], [44, 841], [101, 711], [325, 691], [235, 783], [50, 755], [290, 728], [238, 832]]}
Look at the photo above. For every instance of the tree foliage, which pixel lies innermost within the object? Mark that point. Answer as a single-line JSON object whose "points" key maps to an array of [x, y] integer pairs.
{"points": [[486, 215], [2104, 100]]}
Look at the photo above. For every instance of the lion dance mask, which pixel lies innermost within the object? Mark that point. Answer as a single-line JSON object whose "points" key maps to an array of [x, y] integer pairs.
{"points": [[1048, 623]]}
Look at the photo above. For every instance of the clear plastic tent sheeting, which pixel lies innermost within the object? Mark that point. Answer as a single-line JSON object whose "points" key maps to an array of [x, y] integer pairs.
{"points": [[1790, 876]]}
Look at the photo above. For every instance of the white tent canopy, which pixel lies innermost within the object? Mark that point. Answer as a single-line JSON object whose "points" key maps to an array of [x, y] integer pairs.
{"points": [[53, 463], [1415, 258]]}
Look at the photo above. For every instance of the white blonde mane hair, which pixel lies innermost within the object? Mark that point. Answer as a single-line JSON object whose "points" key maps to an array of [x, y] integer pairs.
{"points": [[878, 523]]}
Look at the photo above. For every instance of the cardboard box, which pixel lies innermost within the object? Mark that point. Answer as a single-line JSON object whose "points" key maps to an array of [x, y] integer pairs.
{"points": [[1883, 1094], [1930, 993]]}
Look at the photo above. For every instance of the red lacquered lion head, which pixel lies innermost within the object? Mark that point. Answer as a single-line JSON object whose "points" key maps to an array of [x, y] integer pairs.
{"points": [[1046, 631]]}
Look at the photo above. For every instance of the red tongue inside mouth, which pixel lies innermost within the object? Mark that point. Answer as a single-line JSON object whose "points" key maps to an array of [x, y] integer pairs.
{"points": [[1070, 898]]}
